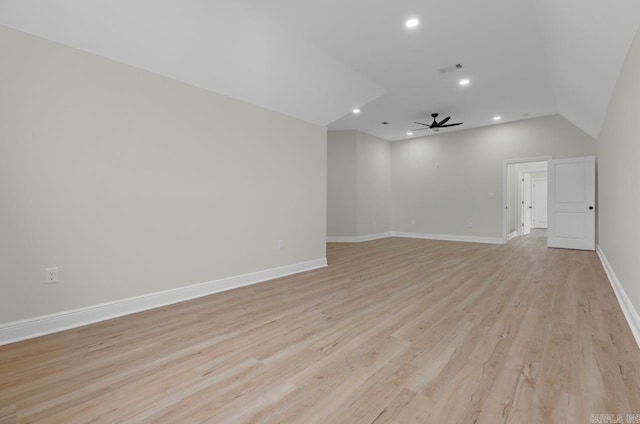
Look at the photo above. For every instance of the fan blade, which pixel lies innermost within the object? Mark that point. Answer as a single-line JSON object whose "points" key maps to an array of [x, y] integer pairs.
{"points": [[450, 125], [444, 121], [420, 123]]}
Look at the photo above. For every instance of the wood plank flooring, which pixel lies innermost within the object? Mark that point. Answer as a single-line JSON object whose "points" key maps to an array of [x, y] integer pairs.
{"points": [[393, 331]]}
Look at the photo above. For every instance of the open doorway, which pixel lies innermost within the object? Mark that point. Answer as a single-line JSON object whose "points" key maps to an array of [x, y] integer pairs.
{"points": [[525, 197], [531, 204]]}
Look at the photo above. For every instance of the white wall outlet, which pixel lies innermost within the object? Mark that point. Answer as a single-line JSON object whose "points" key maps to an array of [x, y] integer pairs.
{"points": [[51, 275], [280, 244]]}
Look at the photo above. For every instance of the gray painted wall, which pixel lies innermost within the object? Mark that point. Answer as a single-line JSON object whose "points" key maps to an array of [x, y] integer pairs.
{"points": [[619, 178], [358, 184], [342, 183], [374, 185], [441, 183], [438, 184], [134, 183]]}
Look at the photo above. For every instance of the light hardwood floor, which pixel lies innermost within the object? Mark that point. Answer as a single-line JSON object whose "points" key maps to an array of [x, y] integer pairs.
{"points": [[394, 330]]}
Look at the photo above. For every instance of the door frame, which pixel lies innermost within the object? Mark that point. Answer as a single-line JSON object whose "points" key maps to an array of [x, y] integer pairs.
{"points": [[505, 177]]}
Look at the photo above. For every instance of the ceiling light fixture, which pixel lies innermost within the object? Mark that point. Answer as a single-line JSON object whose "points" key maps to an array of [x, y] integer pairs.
{"points": [[497, 118], [409, 133], [356, 111], [464, 82], [412, 23]]}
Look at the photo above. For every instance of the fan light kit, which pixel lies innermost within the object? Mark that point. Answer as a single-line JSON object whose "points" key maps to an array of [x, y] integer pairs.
{"points": [[412, 23], [497, 118], [435, 125], [356, 111], [464, 82], [409, 133]]}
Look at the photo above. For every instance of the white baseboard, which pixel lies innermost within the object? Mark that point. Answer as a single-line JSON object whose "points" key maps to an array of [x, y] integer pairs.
{"points": [[47, 324], [472, 239], [358, 239], [512, 235], [630, 312]]}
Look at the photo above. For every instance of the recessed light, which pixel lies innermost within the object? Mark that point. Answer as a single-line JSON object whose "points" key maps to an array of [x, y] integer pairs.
{"points": [[412, 23], [409, 133], [464, 81], [384, 123], [497, 118], [356, 111]]}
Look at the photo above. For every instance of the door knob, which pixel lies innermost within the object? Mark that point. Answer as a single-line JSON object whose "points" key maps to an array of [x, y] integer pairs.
{"points": [[590, 208]]}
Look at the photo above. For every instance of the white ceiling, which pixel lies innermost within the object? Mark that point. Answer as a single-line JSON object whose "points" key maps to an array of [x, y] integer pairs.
{"points": [[318, 59]]}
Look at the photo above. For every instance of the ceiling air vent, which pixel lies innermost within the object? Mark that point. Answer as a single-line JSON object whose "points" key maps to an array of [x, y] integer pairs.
{"points": [[451, 68]]}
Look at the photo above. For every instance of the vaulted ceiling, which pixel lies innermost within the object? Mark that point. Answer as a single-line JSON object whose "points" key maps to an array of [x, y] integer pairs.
{"points": [[317, 60]]}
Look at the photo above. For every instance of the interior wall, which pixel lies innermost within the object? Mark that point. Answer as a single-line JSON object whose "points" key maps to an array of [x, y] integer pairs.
{"points": [[132, 183], [373, 185], [618, 177], [358, 184], [342, 183], [443, 184], [538, 176]]}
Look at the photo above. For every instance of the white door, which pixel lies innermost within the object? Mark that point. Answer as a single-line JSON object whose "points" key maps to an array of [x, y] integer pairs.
{"points": [[540, 203], [572, 215], [526, 204]]}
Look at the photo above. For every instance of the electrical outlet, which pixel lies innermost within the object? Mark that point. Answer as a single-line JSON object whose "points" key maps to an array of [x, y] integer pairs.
{"points": [[51, 275], [280, 244]]}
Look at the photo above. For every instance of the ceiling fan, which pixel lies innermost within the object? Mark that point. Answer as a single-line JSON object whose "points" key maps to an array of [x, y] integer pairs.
{"points": [[435, 125]]}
